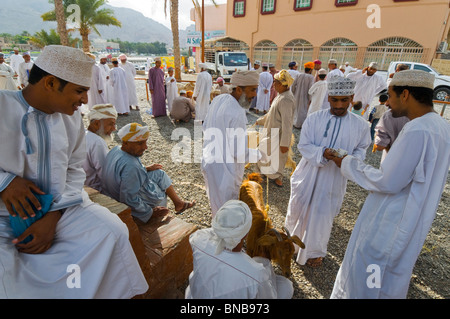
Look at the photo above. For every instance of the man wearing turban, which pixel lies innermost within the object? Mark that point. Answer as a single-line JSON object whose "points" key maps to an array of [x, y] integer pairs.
{"points": [[277, 134], [143, 188], [222, 270], [225, 144], [317, 185], [42, 150], [300, 89], [102, 123]]}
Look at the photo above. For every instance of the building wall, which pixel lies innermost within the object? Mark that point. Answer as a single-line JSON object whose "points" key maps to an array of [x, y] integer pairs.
{"points": [[425, 22]]}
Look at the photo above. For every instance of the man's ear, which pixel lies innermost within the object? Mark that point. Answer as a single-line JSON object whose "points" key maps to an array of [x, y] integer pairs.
{"points": [[50, 82]]}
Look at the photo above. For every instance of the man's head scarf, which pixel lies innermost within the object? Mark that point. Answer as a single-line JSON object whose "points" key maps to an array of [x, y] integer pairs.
{"points": [[245, 78], [66, 63], [284, 77], [102, 112], [230, 224], [133, 132], [309, 65]]}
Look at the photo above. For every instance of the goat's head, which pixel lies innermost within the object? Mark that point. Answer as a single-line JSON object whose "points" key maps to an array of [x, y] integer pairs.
{"points": [[279, 247]]}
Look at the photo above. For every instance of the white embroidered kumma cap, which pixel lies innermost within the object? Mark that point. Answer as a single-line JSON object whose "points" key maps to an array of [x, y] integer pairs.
{"points": [[413, 78], [66, 63], [340, 86]]}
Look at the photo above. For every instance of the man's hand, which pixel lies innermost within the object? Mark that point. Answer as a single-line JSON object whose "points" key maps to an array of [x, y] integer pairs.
{"points": [[152, 91], [329, 154], [160, 210], [338, 160], [17, 194], [154, 167], [43, 232], [284, 149], [100, 91]]}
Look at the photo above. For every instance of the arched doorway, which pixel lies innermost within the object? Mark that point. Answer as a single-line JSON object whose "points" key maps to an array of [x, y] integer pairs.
{"points": [[393, 49], [266, 51], [341, 49], [298, 50]]}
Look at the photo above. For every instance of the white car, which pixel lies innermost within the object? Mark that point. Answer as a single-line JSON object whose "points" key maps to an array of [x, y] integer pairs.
{"points": [[441, 83]]}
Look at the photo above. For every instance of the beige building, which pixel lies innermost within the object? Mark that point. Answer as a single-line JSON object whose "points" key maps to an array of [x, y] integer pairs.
{"points": [[354, 31]]}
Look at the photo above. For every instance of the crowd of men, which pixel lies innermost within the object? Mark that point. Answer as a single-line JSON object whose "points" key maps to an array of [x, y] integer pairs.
{"points": [[52, 153]]}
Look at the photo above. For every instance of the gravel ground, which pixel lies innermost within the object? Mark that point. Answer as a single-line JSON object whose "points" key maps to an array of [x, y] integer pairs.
{"points": [[430, 279]]}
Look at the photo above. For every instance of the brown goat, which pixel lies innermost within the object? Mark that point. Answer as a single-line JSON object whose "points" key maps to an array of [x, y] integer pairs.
{"points": [[264, 240]]}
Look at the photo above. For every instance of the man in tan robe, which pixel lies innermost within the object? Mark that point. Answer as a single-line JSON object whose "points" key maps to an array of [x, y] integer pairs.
{"points": [[277, 126]]}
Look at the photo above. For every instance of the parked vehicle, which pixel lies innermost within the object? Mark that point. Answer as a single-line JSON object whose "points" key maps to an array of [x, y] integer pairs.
{"points": [[223, 57], [441, 83]]}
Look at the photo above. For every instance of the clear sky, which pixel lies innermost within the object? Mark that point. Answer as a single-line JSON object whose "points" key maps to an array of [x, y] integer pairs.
{"points": [[154, 9]]}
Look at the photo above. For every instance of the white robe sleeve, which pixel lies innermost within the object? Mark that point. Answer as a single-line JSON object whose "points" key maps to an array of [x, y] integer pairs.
{"points": [[76, 175], [311, 152], [399, 168]]}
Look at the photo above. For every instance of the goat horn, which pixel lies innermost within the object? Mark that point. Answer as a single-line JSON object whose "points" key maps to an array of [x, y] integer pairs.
{"points": [[287, 232], [277, 234]]}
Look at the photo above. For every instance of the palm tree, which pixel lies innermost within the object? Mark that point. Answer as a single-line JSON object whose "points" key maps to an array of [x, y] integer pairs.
{"points": [[175, 36], [91, 15], [61, 22], [43, 38]]}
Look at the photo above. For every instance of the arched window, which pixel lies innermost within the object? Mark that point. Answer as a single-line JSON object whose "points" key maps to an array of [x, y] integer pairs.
{"points": [[298, 50], [266, 51], [341, 49], [393, 49]]}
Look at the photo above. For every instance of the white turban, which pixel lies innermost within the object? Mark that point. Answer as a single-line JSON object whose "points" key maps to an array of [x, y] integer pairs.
{"points": [[413, 78], [245, 78], [202, 65], [230, 224], [66, 63], [102, 112], [122, 56], [373, 65], [340, 86], [133, 132]]}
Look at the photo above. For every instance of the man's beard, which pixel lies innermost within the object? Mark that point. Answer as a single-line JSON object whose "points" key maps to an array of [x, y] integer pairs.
{"points": [[107, 137], [244, 102]]}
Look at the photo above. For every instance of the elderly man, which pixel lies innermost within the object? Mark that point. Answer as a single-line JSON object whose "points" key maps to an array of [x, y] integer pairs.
{"points": [[276, 137], [225, 144], [300, 89], [24, 69], [127, 180], [182, 108], [317, 185], [102, 123], [368, 84], [403, 195], [156, 86], [222, 270], [263, 95], [41, 165], [202, 93], [333, 69], [273, 70], [105, 70], [130, 72]]}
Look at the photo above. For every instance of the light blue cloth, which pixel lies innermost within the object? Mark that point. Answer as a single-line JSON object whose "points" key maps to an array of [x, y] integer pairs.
{"points": [[125, 179], [19, 225]]}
